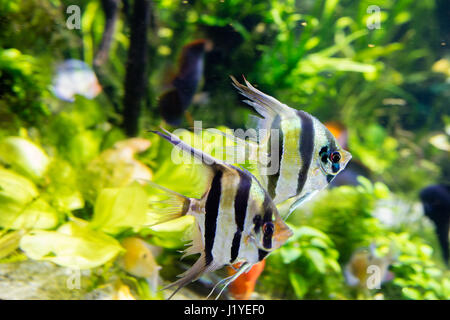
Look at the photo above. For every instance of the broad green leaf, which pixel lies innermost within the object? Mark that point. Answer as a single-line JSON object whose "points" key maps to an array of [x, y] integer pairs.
{"points": [[381, 191], [306, 231], [10, 211], [290, 254], [24, 156], [14, 187], [299, 284], [319, 243], [18, 204], [73, 245], [316, 258], [333, 264], [37, 215], [10, 242], [119, 208]]}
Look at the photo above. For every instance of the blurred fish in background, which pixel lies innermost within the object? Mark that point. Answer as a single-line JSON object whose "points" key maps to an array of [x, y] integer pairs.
{"points": [[243, 287], [178, 96], [357, 271], [436, 204], [139, 261], [75, 77]]}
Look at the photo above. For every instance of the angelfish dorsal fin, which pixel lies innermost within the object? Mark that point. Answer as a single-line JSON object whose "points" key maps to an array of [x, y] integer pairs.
{"points": [[205, 158], [268, 107]]}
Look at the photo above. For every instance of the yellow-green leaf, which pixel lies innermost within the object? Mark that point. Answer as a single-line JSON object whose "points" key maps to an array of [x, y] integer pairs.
{"points": [[14, 187], [73, 245], [38, 215], [118, 208], [10, 242], [24, 156]]}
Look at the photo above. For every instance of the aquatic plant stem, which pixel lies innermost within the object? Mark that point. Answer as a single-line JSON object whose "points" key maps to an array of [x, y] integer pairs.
{"points": [[136, 69]]}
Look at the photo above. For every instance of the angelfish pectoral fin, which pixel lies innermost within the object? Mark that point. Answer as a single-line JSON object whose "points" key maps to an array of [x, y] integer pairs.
{"points": [[243, 268], [299, 201], [190, 275]]}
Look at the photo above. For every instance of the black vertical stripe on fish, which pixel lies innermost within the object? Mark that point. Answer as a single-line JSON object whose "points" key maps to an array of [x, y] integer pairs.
{"points": [[267, 209], [240, 211], [306, 148], [273, 179], [241, 199], [262, 254], [211, 213], [235, 245], [267, 239], [257, 221]]}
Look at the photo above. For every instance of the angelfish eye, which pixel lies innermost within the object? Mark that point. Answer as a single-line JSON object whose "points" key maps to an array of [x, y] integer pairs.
{"points": [[268, 229], [335, 157]]}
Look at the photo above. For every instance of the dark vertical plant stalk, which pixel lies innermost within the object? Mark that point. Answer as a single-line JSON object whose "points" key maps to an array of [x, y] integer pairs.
{"points": [[110, 8], [111, 11], [136, 69]]}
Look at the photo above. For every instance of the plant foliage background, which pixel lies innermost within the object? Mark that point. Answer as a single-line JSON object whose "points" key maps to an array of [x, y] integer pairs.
{"points": [[66, 197]]}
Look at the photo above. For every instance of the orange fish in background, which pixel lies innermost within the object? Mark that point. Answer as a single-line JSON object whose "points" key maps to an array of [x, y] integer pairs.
{"points": [[355, 167], [242, 288], [339, 131]]}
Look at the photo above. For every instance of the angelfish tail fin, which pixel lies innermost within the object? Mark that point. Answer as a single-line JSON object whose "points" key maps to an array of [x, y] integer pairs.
{"points": [[164, 204]]}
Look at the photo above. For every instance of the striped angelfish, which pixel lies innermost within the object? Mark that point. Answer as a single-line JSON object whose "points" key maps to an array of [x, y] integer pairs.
{"points": [[235, 219], [303, 154]]}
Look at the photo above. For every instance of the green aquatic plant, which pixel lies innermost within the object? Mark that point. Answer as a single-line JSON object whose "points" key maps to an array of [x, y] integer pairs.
{"points": [[416, 275], [348, 222], [303, 267]]}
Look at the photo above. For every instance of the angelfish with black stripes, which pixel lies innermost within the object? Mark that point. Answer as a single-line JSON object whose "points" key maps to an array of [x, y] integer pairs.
{"points": [[297, 155], [235, 219]]}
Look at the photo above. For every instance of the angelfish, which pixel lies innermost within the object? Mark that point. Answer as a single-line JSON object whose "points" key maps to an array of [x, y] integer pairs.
{"points": [[303, 154], [235, 219]]}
